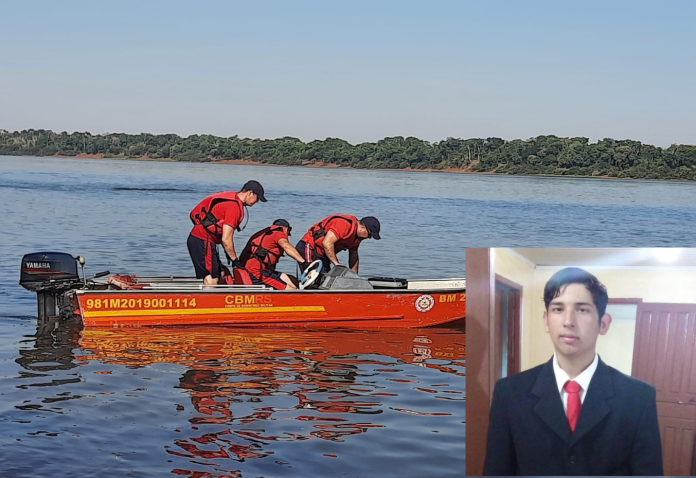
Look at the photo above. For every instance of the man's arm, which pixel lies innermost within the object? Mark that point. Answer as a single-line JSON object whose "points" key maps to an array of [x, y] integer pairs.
{"points": [[646, 452], [228, 241], [328, 245], [500, 450], [231, 215], [353, 259], [290, 250]]}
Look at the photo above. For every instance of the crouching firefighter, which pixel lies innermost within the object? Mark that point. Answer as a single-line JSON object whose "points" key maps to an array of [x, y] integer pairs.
{"points": [[334, 234], [264, 250], [215, 219]]}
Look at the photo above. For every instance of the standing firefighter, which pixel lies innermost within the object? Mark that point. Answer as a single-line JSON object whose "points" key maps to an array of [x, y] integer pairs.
{"points": [[215, 219]]}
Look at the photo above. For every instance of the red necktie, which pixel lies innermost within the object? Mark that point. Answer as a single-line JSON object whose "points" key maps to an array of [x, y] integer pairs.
{"points": [[574, 403]]}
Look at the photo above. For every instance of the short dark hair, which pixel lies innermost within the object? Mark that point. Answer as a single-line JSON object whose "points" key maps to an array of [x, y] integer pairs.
{"points": [[575, 275]]}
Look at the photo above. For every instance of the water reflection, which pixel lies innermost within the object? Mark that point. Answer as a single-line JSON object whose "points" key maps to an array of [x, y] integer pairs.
{"points": [[49, 363], [251, 391], [52, 350], [222, 402]]}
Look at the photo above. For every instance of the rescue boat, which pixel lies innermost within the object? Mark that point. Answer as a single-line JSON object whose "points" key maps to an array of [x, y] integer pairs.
{"points": [[339, 298]]}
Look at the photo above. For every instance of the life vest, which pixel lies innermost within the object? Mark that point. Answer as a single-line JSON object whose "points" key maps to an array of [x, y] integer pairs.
{"points": [[201, 214], [263, 246], [317, 232], [237, 276]]}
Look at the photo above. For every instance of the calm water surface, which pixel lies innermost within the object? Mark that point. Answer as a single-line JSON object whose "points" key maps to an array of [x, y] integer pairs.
{"points": [[221, 402], [225, 402], [567, 212]]}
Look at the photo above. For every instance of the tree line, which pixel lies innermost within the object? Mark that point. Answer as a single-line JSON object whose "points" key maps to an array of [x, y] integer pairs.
{"points": [[540, 155]]}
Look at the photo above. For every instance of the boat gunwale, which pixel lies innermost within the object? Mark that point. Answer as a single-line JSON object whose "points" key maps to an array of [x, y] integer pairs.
{"points": [[171, 286], [228, 289]]}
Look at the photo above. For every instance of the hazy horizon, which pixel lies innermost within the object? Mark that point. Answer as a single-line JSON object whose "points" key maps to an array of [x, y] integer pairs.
{"points": [[359, 72]]}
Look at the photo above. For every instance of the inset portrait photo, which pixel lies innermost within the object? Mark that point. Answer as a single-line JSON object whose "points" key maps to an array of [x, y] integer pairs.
{"points": [[581, 361]]}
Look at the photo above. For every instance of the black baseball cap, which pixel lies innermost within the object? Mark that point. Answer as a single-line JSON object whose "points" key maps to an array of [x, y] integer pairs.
{"points": [[283, 223], [256, 187], [372, 225]]}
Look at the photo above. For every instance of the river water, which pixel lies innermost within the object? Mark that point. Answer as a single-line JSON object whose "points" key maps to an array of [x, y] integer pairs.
{"points": [[534, 211], [220, 402]]}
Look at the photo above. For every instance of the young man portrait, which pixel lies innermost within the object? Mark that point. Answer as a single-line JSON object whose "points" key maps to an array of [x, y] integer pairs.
{"points": [[573, 415]]}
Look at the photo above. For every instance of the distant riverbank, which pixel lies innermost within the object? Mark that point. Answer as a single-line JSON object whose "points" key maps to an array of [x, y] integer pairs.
{"points": [[542, 155]]}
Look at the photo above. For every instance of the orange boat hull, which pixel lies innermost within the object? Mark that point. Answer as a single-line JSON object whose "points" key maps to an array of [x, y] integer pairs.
{"points": [[264, 308]]}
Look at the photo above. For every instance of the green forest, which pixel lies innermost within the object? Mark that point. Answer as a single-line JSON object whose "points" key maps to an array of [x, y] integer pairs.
{"points": [[551, 155]]}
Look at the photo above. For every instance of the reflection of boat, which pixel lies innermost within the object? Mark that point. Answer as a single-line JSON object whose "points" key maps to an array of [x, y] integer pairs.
{"points": [[196, 347], [341, 299], [254, 389]]}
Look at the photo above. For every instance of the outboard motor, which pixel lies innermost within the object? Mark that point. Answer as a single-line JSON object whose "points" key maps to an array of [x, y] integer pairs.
{"points": [[49, 274]]}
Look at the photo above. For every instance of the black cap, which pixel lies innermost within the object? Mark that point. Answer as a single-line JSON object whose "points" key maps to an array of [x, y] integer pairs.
{"points": [[256, 187], [283, 223], [372, 225]]}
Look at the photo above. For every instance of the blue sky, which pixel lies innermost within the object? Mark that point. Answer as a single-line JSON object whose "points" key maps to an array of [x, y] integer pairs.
{"points": [[359, 70]]}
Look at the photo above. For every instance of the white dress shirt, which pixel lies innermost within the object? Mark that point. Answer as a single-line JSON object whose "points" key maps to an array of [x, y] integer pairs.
{"points": [[583, 380]]}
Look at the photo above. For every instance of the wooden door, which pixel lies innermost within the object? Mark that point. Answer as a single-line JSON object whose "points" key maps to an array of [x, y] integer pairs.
{"points": [[480, 288], [508, 298], [665, 356]]}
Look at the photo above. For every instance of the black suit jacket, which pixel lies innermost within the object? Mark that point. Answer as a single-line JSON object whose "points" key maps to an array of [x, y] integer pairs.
{"points": [[617, 432]]}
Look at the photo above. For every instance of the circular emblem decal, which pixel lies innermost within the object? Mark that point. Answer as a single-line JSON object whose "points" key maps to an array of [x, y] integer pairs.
{"points": [[424, 303]]}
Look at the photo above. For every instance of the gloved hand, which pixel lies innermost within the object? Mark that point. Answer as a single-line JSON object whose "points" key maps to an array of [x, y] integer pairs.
{"points": [[304, 265], [236, 264]]}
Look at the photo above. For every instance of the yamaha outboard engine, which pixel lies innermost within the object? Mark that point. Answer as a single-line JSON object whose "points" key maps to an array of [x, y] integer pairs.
{"points": [[49, 274]]}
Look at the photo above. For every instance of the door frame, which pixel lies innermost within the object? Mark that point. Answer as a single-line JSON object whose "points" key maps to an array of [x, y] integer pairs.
{"points": [[480, 301], [513, 329]]}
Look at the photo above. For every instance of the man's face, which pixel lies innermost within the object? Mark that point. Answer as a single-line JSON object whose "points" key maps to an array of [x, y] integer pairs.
{"points": [[252, 198], [363, 232], [573, 322]]}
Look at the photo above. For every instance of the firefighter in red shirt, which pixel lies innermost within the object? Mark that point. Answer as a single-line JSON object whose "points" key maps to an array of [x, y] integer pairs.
{"points": [[264, 250], [337, 233], [215, 219]]}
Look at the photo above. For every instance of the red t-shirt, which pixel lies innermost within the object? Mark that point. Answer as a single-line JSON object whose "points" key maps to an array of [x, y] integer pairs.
{"points": [[227, 212], [345, 231], [270, 242]]}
